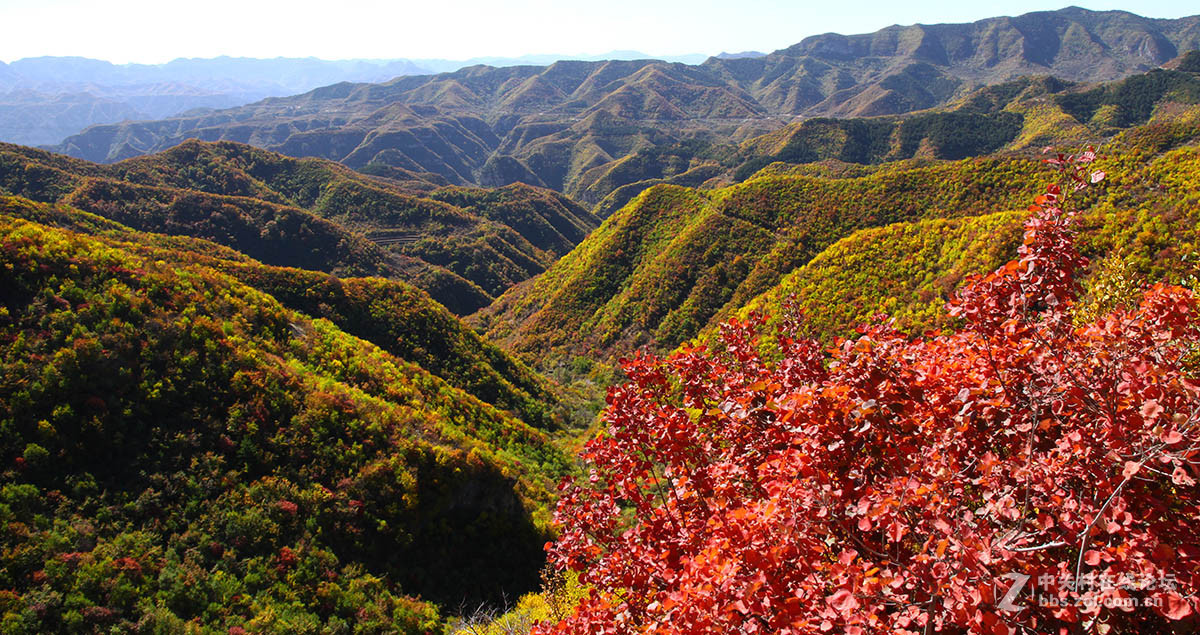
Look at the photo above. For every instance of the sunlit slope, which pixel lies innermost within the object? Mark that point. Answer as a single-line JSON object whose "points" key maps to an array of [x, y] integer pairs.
{"points": [[395, 316], [164, 423], [675, 259], [464, 246]]}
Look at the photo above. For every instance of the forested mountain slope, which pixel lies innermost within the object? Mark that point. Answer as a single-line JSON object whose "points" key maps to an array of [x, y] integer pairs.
{"points": [[238, 396], [181, 446], [463, 246], [1025, 113], [676, 260]]}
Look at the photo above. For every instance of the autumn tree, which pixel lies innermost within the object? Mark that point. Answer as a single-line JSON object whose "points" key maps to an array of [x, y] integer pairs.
{"points": [[1021, 474]]}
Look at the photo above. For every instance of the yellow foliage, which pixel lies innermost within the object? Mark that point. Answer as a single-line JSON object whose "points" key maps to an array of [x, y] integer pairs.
{"points": [[560, 593]]}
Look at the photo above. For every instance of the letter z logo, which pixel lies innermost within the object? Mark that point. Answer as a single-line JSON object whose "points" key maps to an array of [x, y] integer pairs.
{"points": [[1019, 581]]}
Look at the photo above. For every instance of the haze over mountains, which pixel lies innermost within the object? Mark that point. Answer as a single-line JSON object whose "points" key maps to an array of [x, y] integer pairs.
{"points": [[437, 65], [550, 125], [45, 99]]}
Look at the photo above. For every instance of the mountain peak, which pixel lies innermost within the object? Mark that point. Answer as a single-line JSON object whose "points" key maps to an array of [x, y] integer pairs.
{"points": [[1072, 43]]}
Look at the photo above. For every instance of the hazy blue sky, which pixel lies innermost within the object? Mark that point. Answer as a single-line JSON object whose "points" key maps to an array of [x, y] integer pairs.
{"points": [[156, 31]]}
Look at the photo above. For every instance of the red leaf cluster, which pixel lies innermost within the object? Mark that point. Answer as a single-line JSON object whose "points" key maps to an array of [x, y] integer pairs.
{"points": [[899, 485], [286, 560]]}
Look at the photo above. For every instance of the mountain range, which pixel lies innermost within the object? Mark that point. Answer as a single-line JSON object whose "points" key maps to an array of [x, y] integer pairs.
{"points": [[317, 364], [305, 448], [43, 100], [844, 241], [550, 126], [437, 65]]}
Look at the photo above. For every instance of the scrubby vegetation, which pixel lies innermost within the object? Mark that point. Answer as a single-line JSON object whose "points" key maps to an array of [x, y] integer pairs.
{"points": [[317, 215], [1032, 471], [676, 261], [178, 446]]}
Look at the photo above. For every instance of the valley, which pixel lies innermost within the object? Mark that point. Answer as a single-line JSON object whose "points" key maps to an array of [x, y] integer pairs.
{"points": [[822, 340]]}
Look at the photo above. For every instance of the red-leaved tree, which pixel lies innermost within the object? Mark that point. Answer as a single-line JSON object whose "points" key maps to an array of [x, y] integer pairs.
{"points": [[1022, 474]]}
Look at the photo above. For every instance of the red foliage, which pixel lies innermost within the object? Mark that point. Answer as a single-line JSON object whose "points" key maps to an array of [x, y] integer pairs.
{"points": [[897, 485], [129, 566], [286, 560], [98, 614]]}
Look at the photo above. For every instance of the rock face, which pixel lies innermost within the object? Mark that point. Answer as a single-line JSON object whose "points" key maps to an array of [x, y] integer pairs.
{"points": [[549, 125]]}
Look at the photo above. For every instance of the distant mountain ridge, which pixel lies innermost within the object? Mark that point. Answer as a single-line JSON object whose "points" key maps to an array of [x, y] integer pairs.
{"points": [[1071, 43], [735, 56], [549, 126], [437, 65], [293, 74], [43, 100]]}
